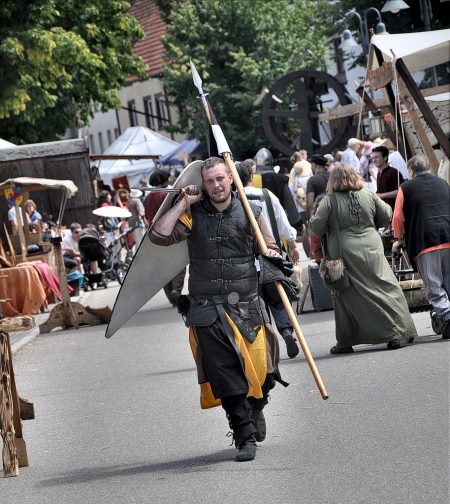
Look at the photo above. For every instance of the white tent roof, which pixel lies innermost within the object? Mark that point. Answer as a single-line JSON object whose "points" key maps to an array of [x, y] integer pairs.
{"points": [[134, 141], [4, 144], [418, 50]]}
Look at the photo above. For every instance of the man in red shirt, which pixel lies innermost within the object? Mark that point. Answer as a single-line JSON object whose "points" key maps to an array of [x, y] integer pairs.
{"points": [[422, 217]]}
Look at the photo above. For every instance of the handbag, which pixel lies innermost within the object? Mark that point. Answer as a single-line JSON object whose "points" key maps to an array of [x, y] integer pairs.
{"points": [[333, 271]]}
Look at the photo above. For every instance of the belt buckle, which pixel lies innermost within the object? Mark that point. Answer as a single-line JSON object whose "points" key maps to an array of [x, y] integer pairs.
{"points": [[233, 298]]}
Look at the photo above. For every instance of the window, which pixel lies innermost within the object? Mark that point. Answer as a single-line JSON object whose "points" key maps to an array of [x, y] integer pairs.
{"points": [[110, 140], [132, 113], [162, 110], [91, 143], [100, 142], [148, 108], [116, 132]]}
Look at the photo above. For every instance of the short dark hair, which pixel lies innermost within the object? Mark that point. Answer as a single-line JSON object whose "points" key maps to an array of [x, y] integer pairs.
{"points": [[418, 164], [245, 172], [384, 151], [211, 162], [158, 178]]}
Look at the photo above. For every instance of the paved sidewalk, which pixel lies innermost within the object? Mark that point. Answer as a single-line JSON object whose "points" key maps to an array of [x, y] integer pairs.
{"points": [[95, 299]]}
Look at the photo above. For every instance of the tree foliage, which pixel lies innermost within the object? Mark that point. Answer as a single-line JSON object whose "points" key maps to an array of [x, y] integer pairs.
{"points": [[239, 47], [57, 57]]}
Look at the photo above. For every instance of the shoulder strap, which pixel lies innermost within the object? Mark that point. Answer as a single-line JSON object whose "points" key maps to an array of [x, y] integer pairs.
{"points": [[271, 213]]}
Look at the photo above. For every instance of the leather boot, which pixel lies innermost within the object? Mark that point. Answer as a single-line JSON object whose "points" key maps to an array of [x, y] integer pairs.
{"points": [[291, 343], [247, 450]]}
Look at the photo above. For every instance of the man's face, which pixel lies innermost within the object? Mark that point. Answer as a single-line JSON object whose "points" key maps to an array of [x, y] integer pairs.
{"points": [[217, 183], [76, 234], [378, 159]]}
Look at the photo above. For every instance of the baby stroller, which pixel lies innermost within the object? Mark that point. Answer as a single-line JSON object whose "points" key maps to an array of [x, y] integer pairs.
{"points": [[92, 248]]}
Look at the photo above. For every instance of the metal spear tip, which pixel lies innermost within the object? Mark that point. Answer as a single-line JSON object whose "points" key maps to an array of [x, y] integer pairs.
{"points": [[196, 77]]}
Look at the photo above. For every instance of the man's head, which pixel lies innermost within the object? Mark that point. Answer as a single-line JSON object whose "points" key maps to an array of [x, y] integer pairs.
{"points": [[159, 179], [418, 165], [380, 156], [245, 172], [75, 229], [354, 144], [217, 180], [318, 163]]}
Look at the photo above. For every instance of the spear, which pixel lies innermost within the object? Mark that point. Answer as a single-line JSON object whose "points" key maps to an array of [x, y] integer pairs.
{"points": [[225, 152]]}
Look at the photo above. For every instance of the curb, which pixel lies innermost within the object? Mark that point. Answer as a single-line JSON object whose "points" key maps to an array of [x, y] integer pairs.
{"points": [[28, 336]]}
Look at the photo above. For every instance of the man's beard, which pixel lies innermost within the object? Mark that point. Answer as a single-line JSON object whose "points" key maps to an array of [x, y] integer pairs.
{"points": [[220, 197]]}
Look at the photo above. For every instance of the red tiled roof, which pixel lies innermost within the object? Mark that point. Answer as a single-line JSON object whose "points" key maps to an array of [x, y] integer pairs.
{"points": [[149, 48]]}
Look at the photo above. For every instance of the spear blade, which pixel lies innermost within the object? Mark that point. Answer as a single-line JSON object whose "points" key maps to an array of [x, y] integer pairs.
{"points": [[196, 78]]}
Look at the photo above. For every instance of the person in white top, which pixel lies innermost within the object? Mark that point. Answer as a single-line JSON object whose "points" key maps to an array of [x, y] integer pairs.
{"points": [[350, 155], [287, 233]]}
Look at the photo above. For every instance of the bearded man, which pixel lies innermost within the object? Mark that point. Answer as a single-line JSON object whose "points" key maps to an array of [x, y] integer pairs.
{"points": [[234, 348]]}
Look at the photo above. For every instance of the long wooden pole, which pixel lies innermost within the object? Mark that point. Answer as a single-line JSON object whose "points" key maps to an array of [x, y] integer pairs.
{"points": [[263, 248], [225, 152]]}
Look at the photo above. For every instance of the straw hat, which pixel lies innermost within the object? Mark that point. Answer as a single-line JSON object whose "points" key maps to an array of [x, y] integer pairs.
{"points": [[302, 168]]}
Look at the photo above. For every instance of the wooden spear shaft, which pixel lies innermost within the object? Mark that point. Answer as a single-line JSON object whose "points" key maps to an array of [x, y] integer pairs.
{"points": [[287, 304]]}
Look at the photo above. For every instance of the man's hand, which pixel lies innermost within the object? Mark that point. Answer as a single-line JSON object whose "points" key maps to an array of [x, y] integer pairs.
{"points": [[293, 254], [192, 194], [397, 246], [272, 252]]}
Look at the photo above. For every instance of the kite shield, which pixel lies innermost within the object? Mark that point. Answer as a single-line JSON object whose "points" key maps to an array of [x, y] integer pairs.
{"points": [[153, 266]]}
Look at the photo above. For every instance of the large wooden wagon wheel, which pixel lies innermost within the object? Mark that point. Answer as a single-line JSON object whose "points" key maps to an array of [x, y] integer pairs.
{"points": [[291, 109]]}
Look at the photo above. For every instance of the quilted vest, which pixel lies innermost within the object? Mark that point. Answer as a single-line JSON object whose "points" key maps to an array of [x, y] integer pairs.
{"points": [[222, 251], [427, 213]]}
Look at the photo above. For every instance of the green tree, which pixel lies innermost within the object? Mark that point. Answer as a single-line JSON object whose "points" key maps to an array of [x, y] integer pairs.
{"points": [[58, 57], [239, 47]]}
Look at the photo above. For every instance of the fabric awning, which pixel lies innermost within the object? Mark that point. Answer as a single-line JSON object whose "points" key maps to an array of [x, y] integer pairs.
{"points": [[29, 184], [418, 50]]}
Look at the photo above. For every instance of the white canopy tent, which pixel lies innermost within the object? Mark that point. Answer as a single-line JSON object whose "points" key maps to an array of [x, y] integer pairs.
{"points": [[136, 140], [4, 144], [418, 50]]}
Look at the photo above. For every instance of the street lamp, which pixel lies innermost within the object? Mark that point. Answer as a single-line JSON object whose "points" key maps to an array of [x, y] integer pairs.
{"points": [[348, 41]]}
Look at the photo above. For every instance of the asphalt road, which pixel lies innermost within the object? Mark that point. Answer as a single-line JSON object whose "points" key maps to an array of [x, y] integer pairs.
{"points": [[118, 421]]}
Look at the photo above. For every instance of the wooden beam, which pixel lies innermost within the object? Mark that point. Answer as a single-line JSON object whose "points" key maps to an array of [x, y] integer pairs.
{"points": [[391, 98], [354, 108], [423, 106], [105, 157], [418, 126]]}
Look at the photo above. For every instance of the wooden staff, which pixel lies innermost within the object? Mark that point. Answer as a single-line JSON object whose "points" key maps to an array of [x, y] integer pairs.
{"points": [[225, 152]]}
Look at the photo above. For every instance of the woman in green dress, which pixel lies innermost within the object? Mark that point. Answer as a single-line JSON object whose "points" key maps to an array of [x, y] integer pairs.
{"points": [[372, 309]]}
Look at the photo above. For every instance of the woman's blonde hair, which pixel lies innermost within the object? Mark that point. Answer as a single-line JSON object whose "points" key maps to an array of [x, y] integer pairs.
{"points": [[343, 178], [30, 202]]}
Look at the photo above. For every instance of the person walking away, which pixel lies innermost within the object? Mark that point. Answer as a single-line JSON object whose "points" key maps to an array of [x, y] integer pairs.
{"points": [[317, 184], [350, 154], [136, 208], [277, 183], [422, 225], [287, 233], [152, 202], [298, 179], [373, 308], [388, 178], [236, 367]]}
